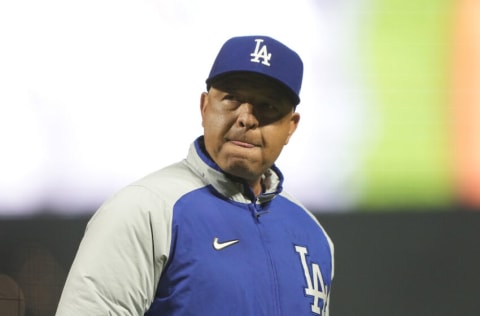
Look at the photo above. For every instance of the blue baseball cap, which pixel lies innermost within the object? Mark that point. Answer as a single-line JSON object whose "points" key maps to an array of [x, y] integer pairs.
{"points": [[263, 55]]}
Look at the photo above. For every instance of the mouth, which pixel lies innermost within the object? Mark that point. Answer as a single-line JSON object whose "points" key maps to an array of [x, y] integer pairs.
{"points": [[242, 144]]}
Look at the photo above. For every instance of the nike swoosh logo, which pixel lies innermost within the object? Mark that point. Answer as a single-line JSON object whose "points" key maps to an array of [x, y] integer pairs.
{"points": [[222, 245]]}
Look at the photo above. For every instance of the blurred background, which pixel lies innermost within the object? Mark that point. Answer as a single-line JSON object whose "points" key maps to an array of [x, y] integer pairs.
{"points": [[96, 94]]}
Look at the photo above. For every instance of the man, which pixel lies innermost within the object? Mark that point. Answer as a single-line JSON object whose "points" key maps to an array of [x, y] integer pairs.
{"points": [[213, 234]]}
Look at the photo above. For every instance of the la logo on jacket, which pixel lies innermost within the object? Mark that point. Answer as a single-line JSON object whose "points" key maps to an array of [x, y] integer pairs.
{"points": [[316, 288]]}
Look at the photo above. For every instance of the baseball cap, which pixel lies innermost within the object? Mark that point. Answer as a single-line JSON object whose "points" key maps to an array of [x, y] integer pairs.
{"points": [[263, 55]]}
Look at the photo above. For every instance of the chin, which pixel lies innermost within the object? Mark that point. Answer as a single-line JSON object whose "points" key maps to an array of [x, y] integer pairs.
{"points": [[243, 169]]}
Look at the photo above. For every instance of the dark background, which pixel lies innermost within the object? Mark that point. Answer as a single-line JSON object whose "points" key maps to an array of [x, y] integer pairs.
{"points": [[386, 263]]}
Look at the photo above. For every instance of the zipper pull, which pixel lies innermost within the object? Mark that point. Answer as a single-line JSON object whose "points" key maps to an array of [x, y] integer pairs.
{"points": [[258, 210]]}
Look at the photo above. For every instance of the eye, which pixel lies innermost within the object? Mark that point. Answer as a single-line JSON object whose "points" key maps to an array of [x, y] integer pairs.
{"points": [[271, 111], [268, 109], [231, 101], [230, 97]]}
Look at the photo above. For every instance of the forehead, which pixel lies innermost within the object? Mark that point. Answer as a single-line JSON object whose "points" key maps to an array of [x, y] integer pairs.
{"points": [[252, 83]]}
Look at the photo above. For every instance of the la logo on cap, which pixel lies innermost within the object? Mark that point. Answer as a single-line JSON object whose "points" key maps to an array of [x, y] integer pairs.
{"points": [[261, 53]]}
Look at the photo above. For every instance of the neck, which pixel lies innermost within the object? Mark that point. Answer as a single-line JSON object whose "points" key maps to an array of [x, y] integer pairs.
{"points": [[256, 187]]}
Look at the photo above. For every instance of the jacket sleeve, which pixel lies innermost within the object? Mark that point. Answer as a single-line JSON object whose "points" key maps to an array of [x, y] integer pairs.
{"points": [[120, 258]]}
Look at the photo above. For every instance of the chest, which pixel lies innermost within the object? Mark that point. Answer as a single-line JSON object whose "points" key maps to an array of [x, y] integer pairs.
{"points": [[275, 264]]}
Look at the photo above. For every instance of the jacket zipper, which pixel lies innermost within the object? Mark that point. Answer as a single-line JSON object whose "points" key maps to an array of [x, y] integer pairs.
{"points": [[258, 211]]}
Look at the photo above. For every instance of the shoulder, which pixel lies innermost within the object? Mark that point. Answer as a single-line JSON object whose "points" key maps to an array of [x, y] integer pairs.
{"points": [[170, 182], [151, 197], [309, 216]]}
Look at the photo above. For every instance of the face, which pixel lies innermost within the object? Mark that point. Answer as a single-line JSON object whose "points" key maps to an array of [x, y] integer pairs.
{"points": [[247, 119]]}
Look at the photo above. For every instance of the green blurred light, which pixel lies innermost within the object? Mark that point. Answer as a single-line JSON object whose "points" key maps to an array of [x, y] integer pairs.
{"points": [[406, 51]]}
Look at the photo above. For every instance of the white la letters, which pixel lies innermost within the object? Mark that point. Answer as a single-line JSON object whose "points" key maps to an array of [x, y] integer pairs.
{"points": [[261, 53], [315, 286]]}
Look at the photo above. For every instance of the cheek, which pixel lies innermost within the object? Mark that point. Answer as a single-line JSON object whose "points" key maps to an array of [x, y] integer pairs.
{"points": [[217, 121], [213, 125], [276, 139], [284, 131]]}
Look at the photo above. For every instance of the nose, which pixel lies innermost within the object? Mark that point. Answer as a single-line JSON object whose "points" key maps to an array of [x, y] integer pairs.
{"points": [[246, 116]]}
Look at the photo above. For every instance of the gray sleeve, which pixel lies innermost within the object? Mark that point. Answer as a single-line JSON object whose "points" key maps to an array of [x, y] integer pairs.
{"points": [[120, 258]]}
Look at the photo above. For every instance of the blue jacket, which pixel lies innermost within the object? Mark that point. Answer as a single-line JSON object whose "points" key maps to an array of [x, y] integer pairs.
{"points": [[191, 240]]}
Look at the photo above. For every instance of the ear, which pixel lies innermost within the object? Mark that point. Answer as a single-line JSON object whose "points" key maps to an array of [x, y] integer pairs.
{"points": [[293, 126], [203, 106]]}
